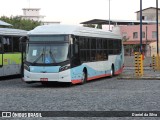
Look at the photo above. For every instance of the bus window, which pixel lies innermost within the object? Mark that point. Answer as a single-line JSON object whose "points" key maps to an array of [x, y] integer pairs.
{"points": [[1, 45], [16, 44], [7, 43]]}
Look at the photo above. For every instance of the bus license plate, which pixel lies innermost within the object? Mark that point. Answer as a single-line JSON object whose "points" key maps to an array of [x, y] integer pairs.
{"points": [[43, 79]]}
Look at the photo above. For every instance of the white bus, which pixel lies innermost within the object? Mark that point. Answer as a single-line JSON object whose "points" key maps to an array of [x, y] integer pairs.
{"points": [[10, 51], [72, 54]]}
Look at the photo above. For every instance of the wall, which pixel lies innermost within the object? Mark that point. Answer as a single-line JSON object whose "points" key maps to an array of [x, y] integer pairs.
{"points": [[136, 28]]}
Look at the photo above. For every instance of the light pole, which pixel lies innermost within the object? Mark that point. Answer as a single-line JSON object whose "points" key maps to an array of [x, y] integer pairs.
{"points": [[157, 27], [109, 15], [158, 58], [141, 26], [29, 3]]}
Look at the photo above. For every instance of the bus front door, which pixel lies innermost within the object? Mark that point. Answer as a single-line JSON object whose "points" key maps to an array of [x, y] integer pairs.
{"points": [[75, 58]]}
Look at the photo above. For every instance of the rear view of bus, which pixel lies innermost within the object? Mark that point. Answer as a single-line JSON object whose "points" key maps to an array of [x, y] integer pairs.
{"points": [[72, 54]]}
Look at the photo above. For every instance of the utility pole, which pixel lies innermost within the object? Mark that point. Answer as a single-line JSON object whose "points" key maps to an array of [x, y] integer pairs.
{"points": [[146, 40], [157, 27], [141, 26], [158, 58], [29, 3], [109, 15]]}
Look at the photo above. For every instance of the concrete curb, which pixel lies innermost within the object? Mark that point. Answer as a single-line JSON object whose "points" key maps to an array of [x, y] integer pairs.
{"points": [[139, 78]]}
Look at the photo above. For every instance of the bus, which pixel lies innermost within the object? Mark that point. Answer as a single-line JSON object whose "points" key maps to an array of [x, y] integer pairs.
{"points": [[10, 51], [71, 54]]}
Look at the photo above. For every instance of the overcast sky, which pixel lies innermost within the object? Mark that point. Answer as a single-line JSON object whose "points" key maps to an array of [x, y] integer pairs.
{"points": [[76, 11]]}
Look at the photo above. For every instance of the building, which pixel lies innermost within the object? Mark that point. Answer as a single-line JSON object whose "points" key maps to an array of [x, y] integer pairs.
{"points": [[130, 31], [34, 14], [148, 14], [131, 38]]}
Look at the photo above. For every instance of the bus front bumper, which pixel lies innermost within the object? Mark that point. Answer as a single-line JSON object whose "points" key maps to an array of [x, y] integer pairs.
{"points": [[63, 76]]}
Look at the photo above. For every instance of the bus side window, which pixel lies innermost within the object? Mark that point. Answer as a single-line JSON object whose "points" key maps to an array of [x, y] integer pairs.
{"points": [[76, 49], [7, 44], [16, 44], [1, 45]]}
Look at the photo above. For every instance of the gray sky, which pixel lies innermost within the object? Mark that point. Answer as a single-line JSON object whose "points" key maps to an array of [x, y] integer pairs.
{"points": [[76, 11]]}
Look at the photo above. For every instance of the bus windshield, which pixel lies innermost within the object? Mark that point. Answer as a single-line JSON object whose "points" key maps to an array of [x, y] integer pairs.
{"points": [[47, 53]]}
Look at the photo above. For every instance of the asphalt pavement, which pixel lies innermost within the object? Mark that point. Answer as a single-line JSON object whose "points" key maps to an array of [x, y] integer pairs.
{"points": [[107, 94]]}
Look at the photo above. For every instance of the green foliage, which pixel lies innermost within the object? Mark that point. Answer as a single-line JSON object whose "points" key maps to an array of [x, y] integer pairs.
{"points": [[19, 23]]}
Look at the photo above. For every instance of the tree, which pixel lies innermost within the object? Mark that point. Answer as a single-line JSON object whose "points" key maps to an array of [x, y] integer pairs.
{"points": [[19, 23]]}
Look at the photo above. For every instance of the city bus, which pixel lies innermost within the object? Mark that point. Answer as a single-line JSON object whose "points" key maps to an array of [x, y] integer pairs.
{"points": [[10, 51], [71, 54]]}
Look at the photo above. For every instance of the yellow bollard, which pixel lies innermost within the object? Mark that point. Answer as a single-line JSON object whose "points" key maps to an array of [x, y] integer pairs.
{"points": [[138, 64], [157, 62], [154, 62]]}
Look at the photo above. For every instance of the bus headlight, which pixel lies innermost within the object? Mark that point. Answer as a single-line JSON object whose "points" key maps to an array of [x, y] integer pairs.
{"points": [[26, 67], [64, 68]]}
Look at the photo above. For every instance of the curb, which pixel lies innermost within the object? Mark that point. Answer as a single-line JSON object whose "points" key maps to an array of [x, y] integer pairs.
{"points": [[140, 78]]}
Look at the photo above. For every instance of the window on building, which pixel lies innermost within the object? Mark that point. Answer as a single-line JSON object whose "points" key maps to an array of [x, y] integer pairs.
{"points": [[143, 35], [135, 35], [154, 34]]}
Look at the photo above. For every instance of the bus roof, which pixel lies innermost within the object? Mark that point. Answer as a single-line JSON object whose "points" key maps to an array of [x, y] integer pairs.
{"points": [[13, 32], [58, 29]]}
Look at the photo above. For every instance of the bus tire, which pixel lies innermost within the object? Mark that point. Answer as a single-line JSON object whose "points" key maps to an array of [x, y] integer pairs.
{"points": [[112, 70], [84, 77]]}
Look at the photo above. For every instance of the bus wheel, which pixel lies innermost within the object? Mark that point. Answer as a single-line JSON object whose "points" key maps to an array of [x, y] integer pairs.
{"points": [[84, 77], [112, 71]]}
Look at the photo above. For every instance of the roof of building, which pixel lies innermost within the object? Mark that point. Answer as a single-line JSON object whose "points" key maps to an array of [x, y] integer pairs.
{"points": [[117, 22], [147, 9], [2, 23], [56, 29]]}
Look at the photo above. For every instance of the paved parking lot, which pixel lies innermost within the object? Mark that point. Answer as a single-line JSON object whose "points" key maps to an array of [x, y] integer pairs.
{"points": [[107, 94]]}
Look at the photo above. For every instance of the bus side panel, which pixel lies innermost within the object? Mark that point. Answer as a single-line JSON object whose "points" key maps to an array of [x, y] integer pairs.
{"points": [[12, 63], [94, 70], [119, 63], [98, 69], [76, 74]]}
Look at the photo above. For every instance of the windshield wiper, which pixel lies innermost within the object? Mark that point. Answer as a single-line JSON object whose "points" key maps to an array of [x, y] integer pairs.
{"points": [[52, 56], [41, 55]]}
